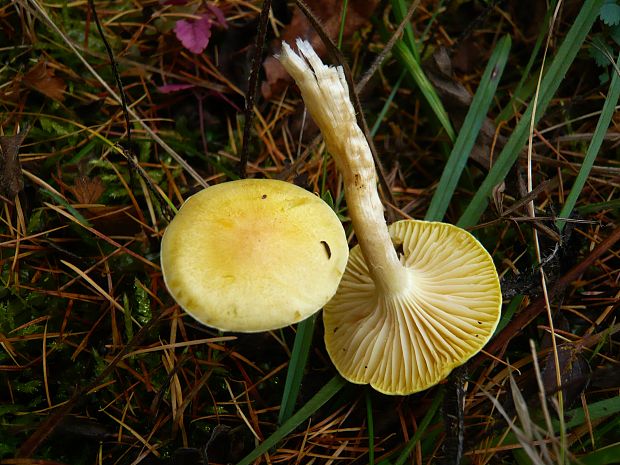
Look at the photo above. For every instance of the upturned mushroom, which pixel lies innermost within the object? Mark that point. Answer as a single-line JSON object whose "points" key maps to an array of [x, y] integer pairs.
{"points": [[253, 255], [418, 298]]}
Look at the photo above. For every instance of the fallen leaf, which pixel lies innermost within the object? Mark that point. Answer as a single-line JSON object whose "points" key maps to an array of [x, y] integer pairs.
{"points": [[11, 179], [328, 12], [194, 34], [88, 190], [220, 19], [574, 372], [42, 78], [610, 13]]}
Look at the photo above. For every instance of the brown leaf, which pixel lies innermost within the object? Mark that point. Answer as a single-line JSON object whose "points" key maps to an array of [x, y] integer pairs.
{"points": [[42, 79], [87, 190], [328, 12], [574, 372], [11, 179]]}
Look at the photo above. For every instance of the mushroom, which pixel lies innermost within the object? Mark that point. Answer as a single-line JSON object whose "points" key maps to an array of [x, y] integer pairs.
{"points": [[418, 298], [253, 255]]}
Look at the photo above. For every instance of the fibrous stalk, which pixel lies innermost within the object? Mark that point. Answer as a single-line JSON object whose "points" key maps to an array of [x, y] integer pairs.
{"points": [[325, 93]]}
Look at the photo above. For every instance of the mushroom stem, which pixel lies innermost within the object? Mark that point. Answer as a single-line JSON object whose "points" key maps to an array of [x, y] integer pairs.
{"points": [[398, 322], [325, 93]]}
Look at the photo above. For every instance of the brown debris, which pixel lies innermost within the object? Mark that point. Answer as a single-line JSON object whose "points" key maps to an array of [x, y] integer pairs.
{"points": [[456, 99], [328, 12], [11, 179], [88, 190], [41, 77]]}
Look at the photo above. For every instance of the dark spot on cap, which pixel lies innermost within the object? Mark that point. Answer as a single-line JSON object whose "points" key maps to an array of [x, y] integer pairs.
{"points": [[480, 322], [264, 196], [328, 251]]}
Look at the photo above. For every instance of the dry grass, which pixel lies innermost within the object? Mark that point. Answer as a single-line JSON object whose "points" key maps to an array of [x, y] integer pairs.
{"points": [[98, 364]]}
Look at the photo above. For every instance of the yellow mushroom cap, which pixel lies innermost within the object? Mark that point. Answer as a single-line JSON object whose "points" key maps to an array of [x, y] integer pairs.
{"points": [[408, 342], [253, 255]]}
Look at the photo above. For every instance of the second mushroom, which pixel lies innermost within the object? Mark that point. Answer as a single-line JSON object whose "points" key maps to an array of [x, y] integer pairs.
{"points": [[417, 298]]}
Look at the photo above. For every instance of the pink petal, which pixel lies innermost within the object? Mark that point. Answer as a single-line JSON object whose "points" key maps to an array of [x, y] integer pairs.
{"points": [[169, 88], [194, 34]]}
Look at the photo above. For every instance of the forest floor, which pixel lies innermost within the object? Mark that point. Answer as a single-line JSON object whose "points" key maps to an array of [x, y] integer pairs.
{"points": [[497, 116]]}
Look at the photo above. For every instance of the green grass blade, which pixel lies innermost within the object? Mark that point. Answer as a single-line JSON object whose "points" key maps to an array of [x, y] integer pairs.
{"points": [[607, 408], [597, 410], [430, 414], [603, 456], [296, 367], [608, 112], [469, 132], [320, 398], [406, 50], [399, 8], [407, 59], [305, 329], [508, 313], [387, 104], [343, 16], [70, 208], [438, 9], [550, 83], [596, 207]]}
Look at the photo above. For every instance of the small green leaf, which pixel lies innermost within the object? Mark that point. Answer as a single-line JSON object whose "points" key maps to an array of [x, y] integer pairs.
{"points": [[7, 319], [53, 127], [610, 13], [599, 50], [35, 222], [143, 304]]}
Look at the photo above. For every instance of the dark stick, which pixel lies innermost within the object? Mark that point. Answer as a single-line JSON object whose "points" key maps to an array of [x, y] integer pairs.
{"points": [[134, 164], [454, 416], [127, 152], [117, 76], [387, 49], [253, 85]]}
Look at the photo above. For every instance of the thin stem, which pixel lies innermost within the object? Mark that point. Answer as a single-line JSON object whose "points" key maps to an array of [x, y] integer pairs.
{"points": [[253, 86]]}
